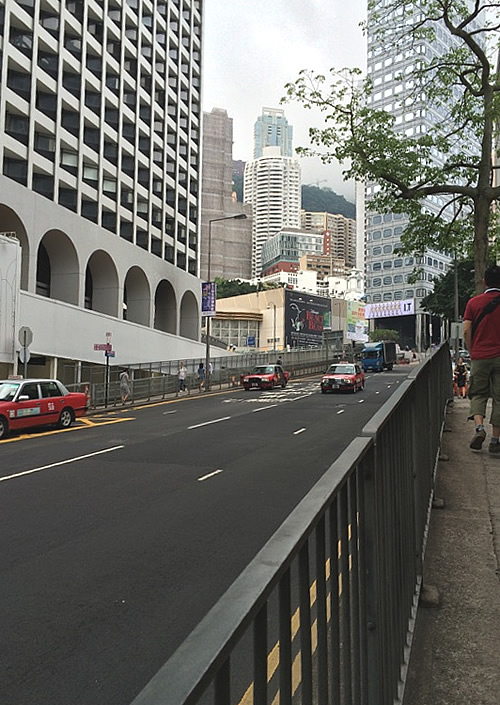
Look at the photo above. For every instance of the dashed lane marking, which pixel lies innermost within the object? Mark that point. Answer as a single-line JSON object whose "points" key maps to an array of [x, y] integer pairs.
{"points": [[61, 462], [300, 430], [210, 474], [207, 423]]}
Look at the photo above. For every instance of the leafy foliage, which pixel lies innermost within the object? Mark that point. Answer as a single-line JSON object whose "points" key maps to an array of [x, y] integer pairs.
{"points": [[236, 287], [383, 334], [324, 200], [441, 179], [441, 301]]}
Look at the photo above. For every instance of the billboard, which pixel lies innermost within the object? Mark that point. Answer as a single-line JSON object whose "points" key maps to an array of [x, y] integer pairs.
{"points": [[208, 297], [356, 323], [306, 317], [386, 309]]}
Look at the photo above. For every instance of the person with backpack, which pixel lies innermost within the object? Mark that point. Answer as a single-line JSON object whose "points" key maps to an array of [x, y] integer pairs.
{"points": [[482, 339]]}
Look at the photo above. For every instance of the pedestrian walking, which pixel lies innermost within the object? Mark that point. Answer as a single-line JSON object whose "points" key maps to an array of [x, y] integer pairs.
{"points": [[124, 386], [201, 376], [482, 339], [460, 374], [182, 374]]}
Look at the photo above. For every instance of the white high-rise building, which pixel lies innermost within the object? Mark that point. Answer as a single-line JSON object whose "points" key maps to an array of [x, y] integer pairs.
{"points": [[272, 186], [99, 175], [387, 272]]}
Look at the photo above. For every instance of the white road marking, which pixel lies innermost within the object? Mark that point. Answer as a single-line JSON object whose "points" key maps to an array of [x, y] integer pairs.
{"points": [[61, 462], [207, 423], [377, 392], [263, 408], [169, 412], [341, 411], [300, 430], [211, 474], [361, 401]]}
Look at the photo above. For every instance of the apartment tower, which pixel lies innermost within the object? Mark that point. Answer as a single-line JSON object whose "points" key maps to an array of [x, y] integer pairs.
{"points": [[99, 170]]}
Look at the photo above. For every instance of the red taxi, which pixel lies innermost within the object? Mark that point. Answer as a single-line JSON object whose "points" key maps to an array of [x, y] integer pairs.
{"points": [[343, 376], [265, 377], [27, 403]]}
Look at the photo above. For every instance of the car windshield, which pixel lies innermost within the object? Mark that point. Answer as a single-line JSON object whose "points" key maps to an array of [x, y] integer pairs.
{"points": [[263, 370], [8, 390], [341, 370]]}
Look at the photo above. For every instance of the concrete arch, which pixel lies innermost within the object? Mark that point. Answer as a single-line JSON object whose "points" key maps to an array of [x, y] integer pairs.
{"points": [[63, 269], [165, 313], [189, 316], [101, 284], [10, 222], [136, 297]]}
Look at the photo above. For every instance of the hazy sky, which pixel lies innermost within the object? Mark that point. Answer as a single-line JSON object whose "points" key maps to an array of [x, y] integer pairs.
{"points": [[254, 47]]}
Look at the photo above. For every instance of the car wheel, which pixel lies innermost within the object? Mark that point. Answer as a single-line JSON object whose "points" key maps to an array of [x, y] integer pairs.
{"points": [[65, 419], [4, 427]]}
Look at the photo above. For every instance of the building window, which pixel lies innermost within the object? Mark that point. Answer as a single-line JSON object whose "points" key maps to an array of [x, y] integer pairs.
{"points": [[67, 198], [16, 169]]}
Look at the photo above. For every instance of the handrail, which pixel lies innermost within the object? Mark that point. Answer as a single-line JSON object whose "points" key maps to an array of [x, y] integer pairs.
{"points": [[335, 588]]}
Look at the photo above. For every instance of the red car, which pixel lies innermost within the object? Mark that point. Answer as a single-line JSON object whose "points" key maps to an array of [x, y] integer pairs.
{"points": [[27, 403], [343, 376], [265, 377]]}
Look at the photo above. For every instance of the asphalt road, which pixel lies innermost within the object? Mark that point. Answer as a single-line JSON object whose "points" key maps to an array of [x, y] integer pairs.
{"points": [[119, 534]]}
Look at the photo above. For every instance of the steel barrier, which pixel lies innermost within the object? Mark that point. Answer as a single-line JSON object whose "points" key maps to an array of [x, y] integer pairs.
{"points": [[324, 613], [159, 380]]}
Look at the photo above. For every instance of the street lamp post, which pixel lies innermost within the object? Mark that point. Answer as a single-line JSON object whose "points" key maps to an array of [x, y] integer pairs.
{"points": [[238, 216]]}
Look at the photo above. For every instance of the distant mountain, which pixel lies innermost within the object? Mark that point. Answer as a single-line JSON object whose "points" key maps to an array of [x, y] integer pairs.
{"points": [[319, 200], [315, 199]]}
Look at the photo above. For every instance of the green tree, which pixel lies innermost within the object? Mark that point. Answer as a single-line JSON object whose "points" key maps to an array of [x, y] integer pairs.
{"points": [[383, 334], [464, 84], [232, 287], [441, 302]]}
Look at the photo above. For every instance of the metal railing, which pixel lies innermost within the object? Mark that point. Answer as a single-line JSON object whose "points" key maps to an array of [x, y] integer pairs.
{"points": [[158, 380], [324, 613]]}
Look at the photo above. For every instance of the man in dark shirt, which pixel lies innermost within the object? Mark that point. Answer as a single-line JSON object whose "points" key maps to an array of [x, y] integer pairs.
{"points": [[482, 339]]}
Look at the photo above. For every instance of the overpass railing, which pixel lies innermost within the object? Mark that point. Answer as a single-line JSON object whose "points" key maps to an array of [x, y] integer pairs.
{"points": [[157, 380], [324, 613]]}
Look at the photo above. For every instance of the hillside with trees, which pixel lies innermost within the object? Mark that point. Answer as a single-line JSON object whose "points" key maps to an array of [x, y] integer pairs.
{"points": [[324, 200], [314, 199]]}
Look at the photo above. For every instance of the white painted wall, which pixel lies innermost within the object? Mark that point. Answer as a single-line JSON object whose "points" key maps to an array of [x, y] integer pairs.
{"points": [[66, 331], [10, 273]]}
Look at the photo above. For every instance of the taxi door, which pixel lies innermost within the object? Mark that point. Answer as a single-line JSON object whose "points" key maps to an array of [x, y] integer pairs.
{"points": [[28, 412]]}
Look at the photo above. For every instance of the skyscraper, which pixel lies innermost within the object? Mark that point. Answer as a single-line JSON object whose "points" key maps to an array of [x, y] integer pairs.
{"points": [[272, 186], [387, 272], [231, 241], [271, 129], [99, 163]]}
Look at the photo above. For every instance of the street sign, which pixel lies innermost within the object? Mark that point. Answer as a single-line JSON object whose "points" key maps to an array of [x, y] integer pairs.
{"points": [[102, 346], [24, 355], [110, 353], [27, 333]]}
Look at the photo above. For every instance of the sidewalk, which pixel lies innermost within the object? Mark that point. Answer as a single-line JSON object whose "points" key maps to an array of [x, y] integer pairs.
{"points": [[456, 649]]}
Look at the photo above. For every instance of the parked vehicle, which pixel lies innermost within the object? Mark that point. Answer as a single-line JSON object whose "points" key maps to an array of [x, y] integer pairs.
{"points": [[265, 377], [376, 357], [26, 403], [343, 376]]}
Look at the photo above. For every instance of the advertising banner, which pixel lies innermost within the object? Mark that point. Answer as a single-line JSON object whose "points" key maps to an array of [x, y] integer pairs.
{"points": [[386, 309], [357, 326], [305, 318], [208, 297]]}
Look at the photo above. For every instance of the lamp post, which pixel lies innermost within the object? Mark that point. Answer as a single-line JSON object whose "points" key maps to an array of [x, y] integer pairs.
{"points": [[238, 216], [274, 325]]}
